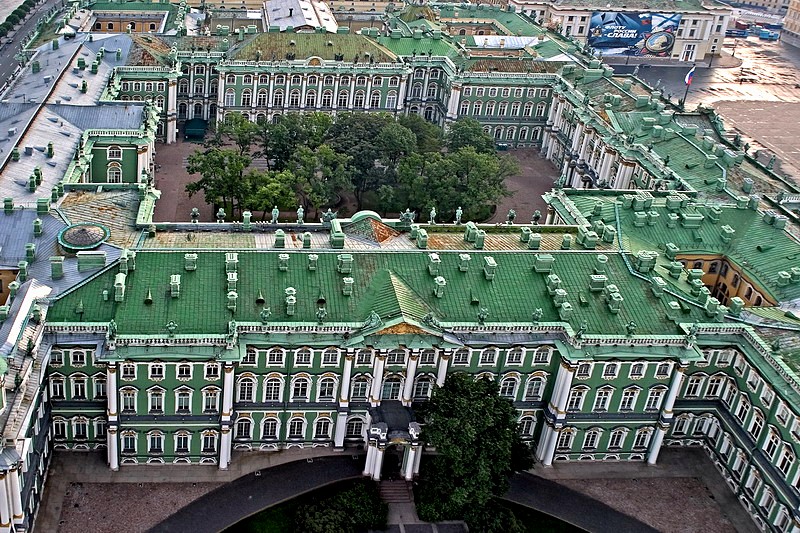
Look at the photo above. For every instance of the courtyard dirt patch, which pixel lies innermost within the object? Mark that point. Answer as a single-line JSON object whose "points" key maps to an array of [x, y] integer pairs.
{"points": [[124, 507], [671, 505]]}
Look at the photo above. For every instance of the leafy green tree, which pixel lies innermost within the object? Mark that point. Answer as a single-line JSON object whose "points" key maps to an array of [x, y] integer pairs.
{"points": [[357, 136], [278, 141], [466, 132], [221, 176], [475, 432], [359, 508], [321, 175], [395, 141], [266, 189], [429, 135], [235, 129]]}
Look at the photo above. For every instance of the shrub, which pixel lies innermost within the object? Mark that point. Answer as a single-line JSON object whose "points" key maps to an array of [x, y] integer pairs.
{"points": [[356, 509], [13, 19]]}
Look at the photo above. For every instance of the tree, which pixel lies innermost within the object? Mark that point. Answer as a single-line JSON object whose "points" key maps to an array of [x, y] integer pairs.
{"points": [[429, 135], [236, 129], [266, 189], [221, 176], [321, 175], [395, 141], [469, 132], [475, 432], [278, 141]]}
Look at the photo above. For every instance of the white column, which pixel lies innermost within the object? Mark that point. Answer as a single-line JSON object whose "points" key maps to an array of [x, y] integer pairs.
{"points": [[454, 102], [111, 392], [335, 100], [227, 392], [171, 111], [674, 387], [341, 429], [303, 88], [112, 448], [547, 446], [408, 466], [441, 371], [655, 445], [369, 461], [401, 94], [411, 371], [578, 137], [587, 137], [225, 447], [5, 518], [558, 402], [377, 377], [376, 467], [417, 459], [16, 495], [551, 145], [344, 390]]}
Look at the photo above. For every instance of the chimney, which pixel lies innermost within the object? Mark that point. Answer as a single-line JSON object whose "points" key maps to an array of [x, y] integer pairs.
{"points": [[434, 264], [190, 262], [232, 297], [175, 285], [291, 300], [57, 267], [291, 10], [119, 287], [344, 263], [463, 262], [347, 287], [233, 277], [312, 261], [438, 290], [231, 262]]}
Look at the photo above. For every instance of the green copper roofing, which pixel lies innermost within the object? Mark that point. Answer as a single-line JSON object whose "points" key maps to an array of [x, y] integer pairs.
{"points": [[276, 46], [407, 46], [506, 22], [391, 284], [760, 249]]}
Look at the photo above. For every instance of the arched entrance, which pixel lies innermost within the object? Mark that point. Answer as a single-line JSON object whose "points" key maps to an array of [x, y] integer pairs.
{"points": [[394, 448]]}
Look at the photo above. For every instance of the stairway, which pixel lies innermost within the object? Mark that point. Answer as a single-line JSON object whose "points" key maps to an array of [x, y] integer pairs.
{"points": [[395, 492]]}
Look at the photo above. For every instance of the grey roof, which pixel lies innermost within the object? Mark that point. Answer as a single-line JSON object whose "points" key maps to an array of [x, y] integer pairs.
{"points": [[11, 328], [118, 115], [16, 230], [299, 13]]}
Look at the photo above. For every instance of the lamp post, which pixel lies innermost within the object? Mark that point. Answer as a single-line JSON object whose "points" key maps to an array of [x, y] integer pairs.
{"points": [[733, 52]]}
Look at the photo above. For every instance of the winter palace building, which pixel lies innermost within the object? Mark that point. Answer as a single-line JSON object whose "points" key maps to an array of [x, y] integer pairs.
{"points": [[651, 306]]}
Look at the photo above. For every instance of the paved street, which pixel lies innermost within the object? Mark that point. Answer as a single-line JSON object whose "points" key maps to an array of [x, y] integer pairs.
{"points": [[12, 45]]}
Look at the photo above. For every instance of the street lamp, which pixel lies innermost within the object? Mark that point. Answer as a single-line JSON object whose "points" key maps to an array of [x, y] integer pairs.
{"points": [[733, 52]]}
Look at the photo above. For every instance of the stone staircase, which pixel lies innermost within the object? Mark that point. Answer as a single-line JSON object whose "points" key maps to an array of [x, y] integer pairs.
{"points": [[396, 492]]}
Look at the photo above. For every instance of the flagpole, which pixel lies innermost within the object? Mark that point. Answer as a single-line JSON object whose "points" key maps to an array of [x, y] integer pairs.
{"points": [[689, 84]]}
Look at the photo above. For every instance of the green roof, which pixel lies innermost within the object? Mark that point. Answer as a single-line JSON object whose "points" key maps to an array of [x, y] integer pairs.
{"points": [[407, 46], [760, 249], [392, 284], [506, 22], [304, 45]]}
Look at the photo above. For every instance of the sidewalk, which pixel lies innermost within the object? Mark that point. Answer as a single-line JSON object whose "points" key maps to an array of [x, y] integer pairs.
{"points": [[723, 60]]}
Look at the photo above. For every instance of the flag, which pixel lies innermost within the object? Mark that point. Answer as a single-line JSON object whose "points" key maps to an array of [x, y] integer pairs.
{"points": [[689, 75]]}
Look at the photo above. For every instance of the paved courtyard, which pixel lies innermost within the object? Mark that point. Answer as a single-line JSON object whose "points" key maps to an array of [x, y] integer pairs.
{"points": [[171, 179], [536, 177]]}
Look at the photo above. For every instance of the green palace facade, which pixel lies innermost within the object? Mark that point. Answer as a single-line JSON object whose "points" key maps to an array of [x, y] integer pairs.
{"points": [[652, 307]]}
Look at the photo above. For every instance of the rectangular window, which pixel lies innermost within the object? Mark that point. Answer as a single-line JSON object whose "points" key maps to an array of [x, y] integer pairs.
{"points": [[628, 399], [427, 357], [724, 357], [212, 371], [396, 357], [610, 370], [331, 357], [156, 402], [461, 357], [184, 371], [81, 430], [128, 401], [79, 389], [210, 401], [128, 371], [78, 358], [183, 403], [129, 443], [100, 389], [575, 399], [156, 443], [182, 443], [514, 356], [541, 355], [360, 389], [157, 371], [57, 388], [275, 358], [302, 357], [602, 399], [56, 358], [590, 441], [209, 443], [249, 358], [584, 371], [616, 440], [654, 399]]}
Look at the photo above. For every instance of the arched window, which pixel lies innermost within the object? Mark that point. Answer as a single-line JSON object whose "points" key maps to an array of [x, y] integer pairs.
{"points": [[269, 428], [244, 427], [358, 102], [198, 110], [341, 100], [508, 387], [510, 133], [464, 108], [294, 98], [245, 390], [327, 98], [322, 428], [526, 425], [300, 389], [114, 173], [326, 390], [311, 98], [490, 108], [272, 389], [540, 109], [534, 389], [354, 428], [515, 109], [590, 439], [114, 152], [200, 69], [502, 109], [182, 110], [297, 80], [183, 87], [277, 98], [432, 90], [198, 87], [213, 88], [391, 388], [523, 134], [248, 79], [375, 99], [528, 110], [230, 97], [312, 80], [160, 102], [422, 388], [477, 109], [261, 98], [328, 80], [247, 98], [416, 90], [488, 356], [361, 80], [297, 428], [359, 389]]}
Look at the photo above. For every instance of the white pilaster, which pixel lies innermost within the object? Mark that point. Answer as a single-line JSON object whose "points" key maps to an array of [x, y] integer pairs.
{"points": [[547, 445], [5, 518], [369, 461], [111, 392], [674, 387], [344, 390], [411, 371], [341, 429], [417, 459], [441, 371], [225, 448], [655, 445], [227, 392], [377, 377], [16, 495], [408, 466], [112, 448], [376, 468]]}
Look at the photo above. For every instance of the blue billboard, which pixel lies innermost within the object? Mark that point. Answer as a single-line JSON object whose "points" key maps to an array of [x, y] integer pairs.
{"points": [[633, 34]]}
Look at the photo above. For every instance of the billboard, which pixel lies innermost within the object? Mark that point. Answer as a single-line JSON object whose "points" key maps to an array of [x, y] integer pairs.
{"points": [[633, 34]]}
